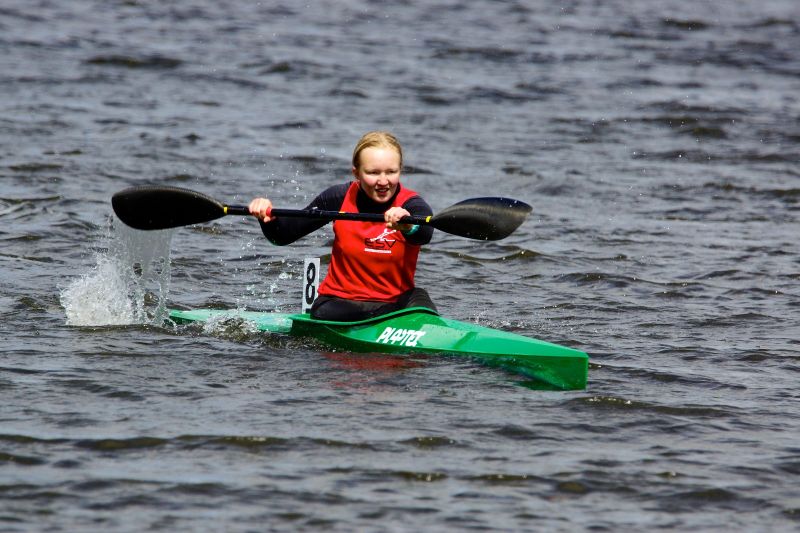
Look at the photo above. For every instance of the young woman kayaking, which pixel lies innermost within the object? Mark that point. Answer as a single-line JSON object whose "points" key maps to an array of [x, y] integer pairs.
{"points": [[372, 265]]}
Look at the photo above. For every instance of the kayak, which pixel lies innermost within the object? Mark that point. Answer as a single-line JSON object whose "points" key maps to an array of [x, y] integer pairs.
{"points": [[413, 330], [421, 330]]}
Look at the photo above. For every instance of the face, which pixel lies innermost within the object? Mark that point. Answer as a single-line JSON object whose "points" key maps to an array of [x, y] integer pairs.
{"points": [[378, 172]]}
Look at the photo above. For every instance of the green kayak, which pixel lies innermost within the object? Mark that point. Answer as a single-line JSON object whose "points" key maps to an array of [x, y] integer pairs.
{"points": [[420, 330]]}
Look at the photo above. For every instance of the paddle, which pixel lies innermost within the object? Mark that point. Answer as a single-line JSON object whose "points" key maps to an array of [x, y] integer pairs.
{"points": [[153, 207]]}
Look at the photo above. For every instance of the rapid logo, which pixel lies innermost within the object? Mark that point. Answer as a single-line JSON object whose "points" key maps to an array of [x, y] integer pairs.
{"points": [[400, 336]]}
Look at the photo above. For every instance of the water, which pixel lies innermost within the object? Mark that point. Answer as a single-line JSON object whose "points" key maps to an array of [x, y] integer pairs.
{"points": [[658, 144]]}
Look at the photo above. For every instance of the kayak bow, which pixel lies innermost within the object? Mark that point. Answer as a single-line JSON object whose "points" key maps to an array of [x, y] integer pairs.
{"points": [[420, 330]]}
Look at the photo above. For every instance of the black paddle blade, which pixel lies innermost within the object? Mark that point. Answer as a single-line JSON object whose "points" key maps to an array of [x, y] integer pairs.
{"points": [[150, 207], [485, 219]]}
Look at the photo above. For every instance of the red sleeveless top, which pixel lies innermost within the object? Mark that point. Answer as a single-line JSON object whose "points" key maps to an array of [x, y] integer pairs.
{"points": [[370, 261]]}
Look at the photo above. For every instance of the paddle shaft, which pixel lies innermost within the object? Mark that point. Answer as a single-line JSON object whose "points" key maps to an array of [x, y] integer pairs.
{"points": [[325, 215]]}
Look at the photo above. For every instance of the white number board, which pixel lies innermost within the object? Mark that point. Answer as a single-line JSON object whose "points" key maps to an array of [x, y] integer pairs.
{"points": [[310, 282]]}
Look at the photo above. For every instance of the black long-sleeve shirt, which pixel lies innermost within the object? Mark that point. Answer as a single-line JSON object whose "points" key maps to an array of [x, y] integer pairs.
{"points": [[286, 230]]}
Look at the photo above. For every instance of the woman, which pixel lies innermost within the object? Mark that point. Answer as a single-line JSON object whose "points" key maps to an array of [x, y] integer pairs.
{"points": [[372, 264]]}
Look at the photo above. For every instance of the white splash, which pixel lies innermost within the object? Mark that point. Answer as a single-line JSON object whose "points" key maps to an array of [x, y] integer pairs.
{"points": [[129, 283], [230, 327]]}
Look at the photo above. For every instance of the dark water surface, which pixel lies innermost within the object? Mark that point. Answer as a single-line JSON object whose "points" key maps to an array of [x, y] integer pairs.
{"points": [[658, 143]]}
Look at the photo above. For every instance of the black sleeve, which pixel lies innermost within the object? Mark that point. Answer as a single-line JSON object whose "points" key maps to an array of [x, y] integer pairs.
{"points": [[286, 230], [419, 207]]}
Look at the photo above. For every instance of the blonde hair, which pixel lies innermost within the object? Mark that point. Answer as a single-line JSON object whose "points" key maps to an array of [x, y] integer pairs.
{"points": [[376, 139]]}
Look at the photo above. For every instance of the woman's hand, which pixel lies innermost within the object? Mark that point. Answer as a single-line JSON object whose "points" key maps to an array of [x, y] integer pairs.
{"points": [[261, 208], [392, 217]]}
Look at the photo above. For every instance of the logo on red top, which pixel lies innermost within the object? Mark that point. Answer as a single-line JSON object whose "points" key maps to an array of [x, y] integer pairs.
{"points": [[380, 244]]}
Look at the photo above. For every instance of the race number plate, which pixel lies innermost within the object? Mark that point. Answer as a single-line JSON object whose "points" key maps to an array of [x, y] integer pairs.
{"points": [[310, 282]]}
